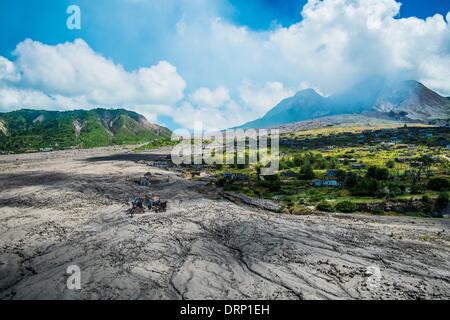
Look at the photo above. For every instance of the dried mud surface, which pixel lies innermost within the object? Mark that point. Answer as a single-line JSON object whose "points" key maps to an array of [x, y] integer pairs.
{"points": [[68, 208]]}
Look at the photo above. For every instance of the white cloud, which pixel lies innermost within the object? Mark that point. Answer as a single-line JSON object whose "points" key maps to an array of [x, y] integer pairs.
{"points": [[7, 70], [211, 116], [337, 43], [261, 100], [343, 41], [72, 75], [213, 109], [188, 116], [11, 97], [210, 98]]}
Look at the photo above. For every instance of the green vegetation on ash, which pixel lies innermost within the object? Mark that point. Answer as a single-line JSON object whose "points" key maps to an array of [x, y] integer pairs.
{"points": [[156, 144], [34, 130], [166, 142], [381, 171]]}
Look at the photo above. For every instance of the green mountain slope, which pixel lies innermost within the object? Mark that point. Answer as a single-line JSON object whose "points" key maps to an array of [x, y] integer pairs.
{"points": [[32, 130]]}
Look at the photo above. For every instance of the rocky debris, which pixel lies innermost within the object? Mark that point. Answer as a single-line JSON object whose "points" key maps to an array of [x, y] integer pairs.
{"points": [[9, 270], [153, 203], [399, 205], [258, 203], [150, 179], [161, 162]]}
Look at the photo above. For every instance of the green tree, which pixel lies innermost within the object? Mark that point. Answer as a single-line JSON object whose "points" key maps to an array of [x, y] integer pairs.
{"points": [[390, 164], [346, 206], [426, 162], [351, 180], [306, 173], [325, 206], [438, 184], [298, 161], [378, 173], [441, 204], [258, 172], [366, 187], [272, 182], [427, 204], [341, 175]]}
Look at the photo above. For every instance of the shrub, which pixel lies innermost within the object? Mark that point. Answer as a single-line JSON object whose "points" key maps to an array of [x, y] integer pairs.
{"points": [[443, 198], [441, 204], [377, 211], [427, 204], [426, 199], [417, 189], [274, 186], [378, 173], [272, 177], [346, 207], [220, 182], [306, 173], [325, 206], [258, 193], [272, 182], [231, 187], [351, 180], [383, 192], [390, 164], [316, 198], [289, 202], [341, 175], [366, 187], [438, 184], [396, 189]]}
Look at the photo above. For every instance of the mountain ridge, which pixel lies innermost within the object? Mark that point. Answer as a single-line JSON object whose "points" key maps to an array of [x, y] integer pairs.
{"points": [[31, 130], [407, 100]]}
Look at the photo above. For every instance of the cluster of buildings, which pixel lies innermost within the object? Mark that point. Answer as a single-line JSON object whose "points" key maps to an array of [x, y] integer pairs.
{"points": [[386, 138], [329, 181]]}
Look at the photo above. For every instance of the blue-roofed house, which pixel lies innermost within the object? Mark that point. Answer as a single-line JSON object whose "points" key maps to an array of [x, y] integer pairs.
{"points": [[325, 183], [331, 173]]}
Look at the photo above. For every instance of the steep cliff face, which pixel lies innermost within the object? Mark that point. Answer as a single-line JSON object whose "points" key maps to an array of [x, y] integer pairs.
{"points": [[3, 129], [414, 101]]}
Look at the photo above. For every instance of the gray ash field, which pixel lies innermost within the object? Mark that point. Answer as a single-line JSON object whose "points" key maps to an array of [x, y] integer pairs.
{"points": [[69, 208]]}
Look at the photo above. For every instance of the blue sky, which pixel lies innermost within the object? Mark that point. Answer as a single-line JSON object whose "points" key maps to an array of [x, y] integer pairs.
{"points": [[45, 21], [198, 38]]}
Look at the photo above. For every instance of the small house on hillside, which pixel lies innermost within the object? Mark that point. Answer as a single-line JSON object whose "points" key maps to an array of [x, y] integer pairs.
{"points": [[331, 173], [325, 183], [289, 174], [159, 164], [235, 176]]}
